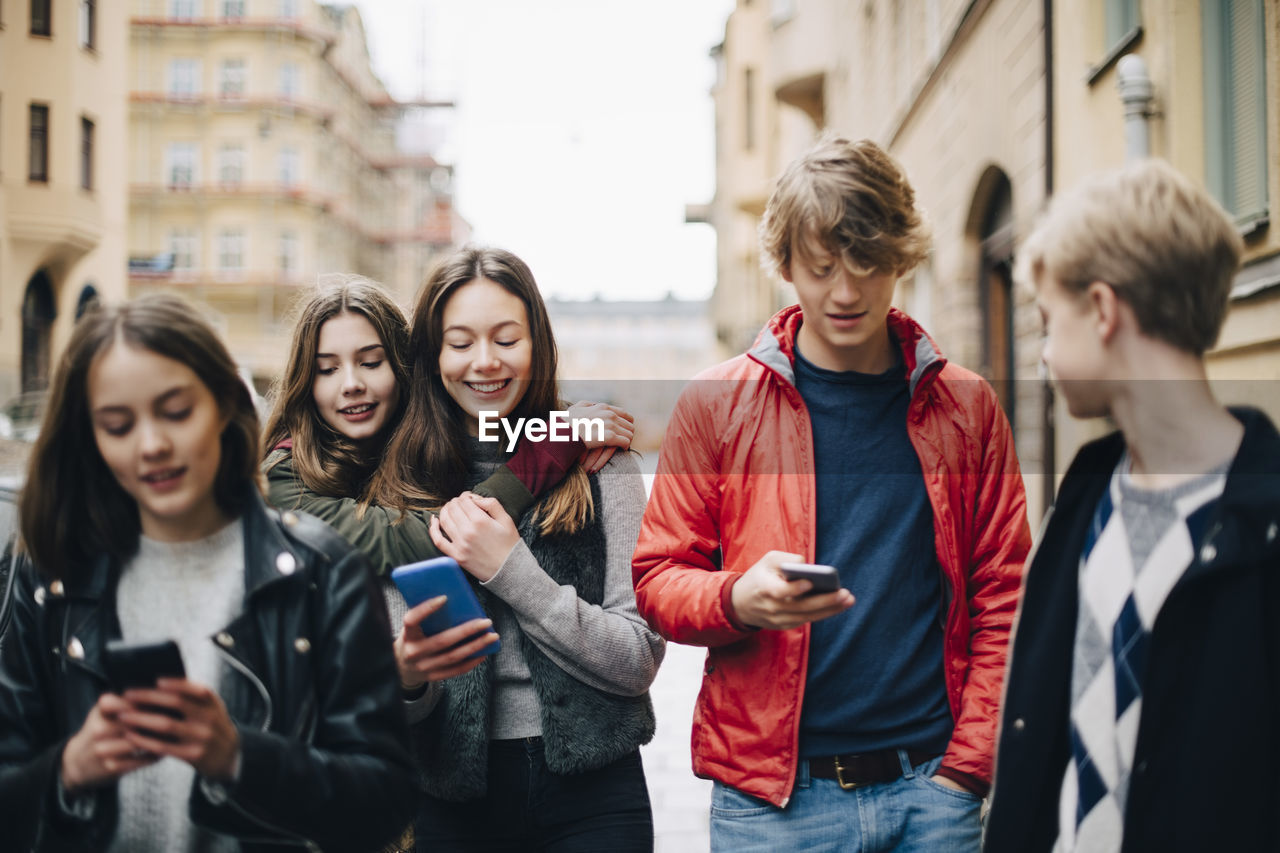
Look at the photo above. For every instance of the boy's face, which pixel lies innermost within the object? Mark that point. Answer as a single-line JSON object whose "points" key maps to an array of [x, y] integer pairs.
{"points": [[845, 313], [1073, 348]]}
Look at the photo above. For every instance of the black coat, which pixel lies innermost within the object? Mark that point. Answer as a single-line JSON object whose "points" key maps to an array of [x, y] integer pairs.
{"points": [[1206, 770], [324, 743]]}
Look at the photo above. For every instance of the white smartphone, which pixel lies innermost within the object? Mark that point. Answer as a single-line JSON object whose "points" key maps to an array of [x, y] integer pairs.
{"points": [[823, 578]]}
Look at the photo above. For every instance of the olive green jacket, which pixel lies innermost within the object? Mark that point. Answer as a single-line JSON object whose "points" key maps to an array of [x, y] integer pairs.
{"points": [[385, 538]]}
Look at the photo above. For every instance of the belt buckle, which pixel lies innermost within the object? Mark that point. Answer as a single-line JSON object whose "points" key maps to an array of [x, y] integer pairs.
{"points": [[847, 786]]}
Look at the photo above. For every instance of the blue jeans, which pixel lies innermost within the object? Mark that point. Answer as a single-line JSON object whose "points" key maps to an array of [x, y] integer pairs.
{"points": [[529, 808], [912, 814]]}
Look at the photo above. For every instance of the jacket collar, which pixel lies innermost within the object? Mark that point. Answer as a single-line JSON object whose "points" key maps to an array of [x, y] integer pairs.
{"points": [[775, 347], [268, 554]]}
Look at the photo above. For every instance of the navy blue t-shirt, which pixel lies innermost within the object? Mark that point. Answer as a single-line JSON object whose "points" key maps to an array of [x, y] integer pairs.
{"points": [[875, 675]]}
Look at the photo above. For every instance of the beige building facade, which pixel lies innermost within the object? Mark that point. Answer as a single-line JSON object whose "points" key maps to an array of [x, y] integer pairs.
{"points": [[63, 191], [991, 106], [1212, 72], [265, 153]]}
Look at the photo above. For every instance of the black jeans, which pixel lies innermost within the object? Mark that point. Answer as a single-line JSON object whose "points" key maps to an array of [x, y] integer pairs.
{"points": [[529, 808]]}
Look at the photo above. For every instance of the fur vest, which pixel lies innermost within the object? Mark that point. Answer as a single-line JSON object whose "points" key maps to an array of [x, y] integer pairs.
{"points": [[583, 728]]}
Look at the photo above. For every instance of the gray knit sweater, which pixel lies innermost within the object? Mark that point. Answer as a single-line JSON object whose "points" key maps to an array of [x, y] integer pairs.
{"points": [[608, 646], [187, 591]]}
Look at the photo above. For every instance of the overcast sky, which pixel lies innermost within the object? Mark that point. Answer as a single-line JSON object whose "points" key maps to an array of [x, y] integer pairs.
{"points": [[582, 129]]}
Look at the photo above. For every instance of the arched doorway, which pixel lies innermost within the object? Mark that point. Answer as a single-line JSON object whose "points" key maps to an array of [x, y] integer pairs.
{"points": [[88, 299], [995, 283], [38, 313]]}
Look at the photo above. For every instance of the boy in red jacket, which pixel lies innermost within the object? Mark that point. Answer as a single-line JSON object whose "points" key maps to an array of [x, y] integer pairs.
{"points": [[843, 437]]}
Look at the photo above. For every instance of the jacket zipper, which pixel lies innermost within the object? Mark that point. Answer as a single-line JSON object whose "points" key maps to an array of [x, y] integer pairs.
{"points": [[244, 670]]}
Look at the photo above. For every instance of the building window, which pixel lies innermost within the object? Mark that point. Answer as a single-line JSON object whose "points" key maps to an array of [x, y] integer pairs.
{"points": [[288, 8], [230, 250], [41, 17], [288, 255], [1235, 108], [1120, 19], [231, 165], [288, 167], [184, 245], [88, 23], [181, 169], [233, 8], [86, 153], [38, 161], [182, 10], [748, 109], [231, 78], [289, 81], [184, 77]]}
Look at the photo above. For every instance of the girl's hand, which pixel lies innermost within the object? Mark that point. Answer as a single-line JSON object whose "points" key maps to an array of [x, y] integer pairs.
{"points": [[475, 531], [619, 430], [100, 752], [421, 658], [200, 734]]}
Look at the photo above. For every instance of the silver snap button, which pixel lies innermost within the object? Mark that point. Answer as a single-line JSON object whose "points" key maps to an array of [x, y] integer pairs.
{"points": [[303, 645], [1019, 724], [225, 640], [56, 588], [285, 563], [75, 649], [290, 518], [1208, 553], [39, 595], [1272, 530]]}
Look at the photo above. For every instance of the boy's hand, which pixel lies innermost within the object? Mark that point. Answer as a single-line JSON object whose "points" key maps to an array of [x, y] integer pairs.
{"points": [[763, 598]]}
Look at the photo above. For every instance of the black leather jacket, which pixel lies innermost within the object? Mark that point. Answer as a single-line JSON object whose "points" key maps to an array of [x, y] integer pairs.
{"points": [[324, 743]]}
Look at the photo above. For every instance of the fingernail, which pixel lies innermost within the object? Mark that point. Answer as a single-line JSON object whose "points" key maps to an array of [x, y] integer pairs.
{"points": [[440, 599]]}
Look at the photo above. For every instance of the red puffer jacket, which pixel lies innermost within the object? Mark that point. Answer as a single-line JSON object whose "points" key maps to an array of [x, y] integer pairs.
{"points": [[735, 475]]}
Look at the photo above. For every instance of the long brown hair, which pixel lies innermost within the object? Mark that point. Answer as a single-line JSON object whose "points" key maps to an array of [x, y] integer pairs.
{"points": [[327, 462], [72, 507], [426, 459]]}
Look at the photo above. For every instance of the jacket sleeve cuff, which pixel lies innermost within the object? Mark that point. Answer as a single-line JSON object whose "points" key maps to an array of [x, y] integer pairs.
{"points": [[541, 465], [968, 781], [726, 604], [504, 485]]}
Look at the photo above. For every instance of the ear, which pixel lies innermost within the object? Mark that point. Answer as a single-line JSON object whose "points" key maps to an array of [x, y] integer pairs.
{"points": [[1104, 309]]}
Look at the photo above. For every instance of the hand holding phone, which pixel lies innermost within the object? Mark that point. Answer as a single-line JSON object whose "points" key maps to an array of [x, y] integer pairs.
{"points": [[428, 579], [141, 664], [824, 578]]}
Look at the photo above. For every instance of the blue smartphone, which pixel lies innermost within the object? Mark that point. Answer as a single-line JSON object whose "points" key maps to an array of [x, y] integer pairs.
{"points": [[441, 576]]}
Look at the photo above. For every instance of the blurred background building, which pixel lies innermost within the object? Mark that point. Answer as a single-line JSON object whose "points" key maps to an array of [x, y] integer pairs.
{"points": [[63, 67], [264, 151], [637, 354], [992, 106]]}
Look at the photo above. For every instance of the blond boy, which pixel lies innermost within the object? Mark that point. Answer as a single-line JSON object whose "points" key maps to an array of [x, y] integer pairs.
{"points": [[842, 437], [1143, 697]]}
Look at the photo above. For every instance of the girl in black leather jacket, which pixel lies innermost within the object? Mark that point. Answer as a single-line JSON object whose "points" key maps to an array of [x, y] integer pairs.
{"points": [[142, 519]]}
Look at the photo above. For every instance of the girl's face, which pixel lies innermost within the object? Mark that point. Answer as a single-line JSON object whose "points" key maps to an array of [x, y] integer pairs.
{"points": [[487, 356], [159, 431], [355, 389]]}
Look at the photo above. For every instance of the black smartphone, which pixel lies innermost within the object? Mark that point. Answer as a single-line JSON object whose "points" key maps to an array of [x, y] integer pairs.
{"points": [[141, 664], [823, 578]]}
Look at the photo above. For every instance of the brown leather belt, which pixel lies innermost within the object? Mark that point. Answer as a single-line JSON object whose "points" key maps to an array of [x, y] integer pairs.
{"points": [[868, 768]]}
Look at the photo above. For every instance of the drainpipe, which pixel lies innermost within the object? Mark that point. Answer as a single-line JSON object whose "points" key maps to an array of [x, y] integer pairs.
{"points": [[1137, 95]]}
